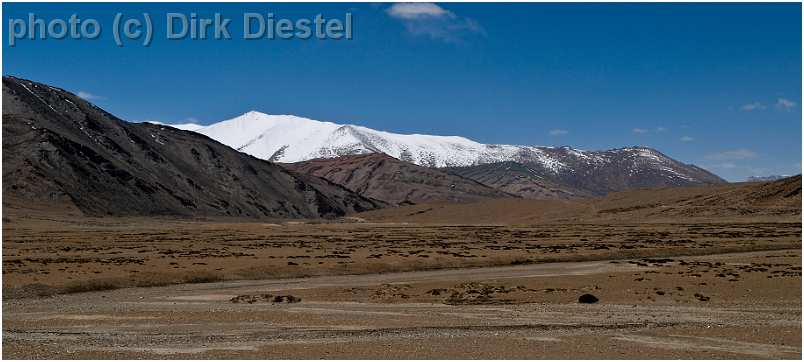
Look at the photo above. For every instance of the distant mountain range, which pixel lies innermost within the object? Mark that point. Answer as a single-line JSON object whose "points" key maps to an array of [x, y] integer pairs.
{"points": [[59, 150], [554, 172], [766, 178]]}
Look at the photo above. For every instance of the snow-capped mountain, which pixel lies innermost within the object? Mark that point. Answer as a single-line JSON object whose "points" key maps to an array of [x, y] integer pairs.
{"points": [[285, 138]]}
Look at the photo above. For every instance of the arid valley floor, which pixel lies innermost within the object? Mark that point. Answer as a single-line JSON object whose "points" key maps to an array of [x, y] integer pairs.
{"points": [[141, 240], [92, 288]]}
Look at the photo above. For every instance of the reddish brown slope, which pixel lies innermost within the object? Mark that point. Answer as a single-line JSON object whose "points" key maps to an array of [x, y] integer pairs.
{"points": [[385, 178]]}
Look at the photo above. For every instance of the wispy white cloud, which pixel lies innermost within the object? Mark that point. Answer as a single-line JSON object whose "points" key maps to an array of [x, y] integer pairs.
{"points": [[89, 96], [784, 104], [411, 11], [730, 155], [433, 21], [687, 139], [558, 132], [753, 106], [781, 104], [649, 130]]}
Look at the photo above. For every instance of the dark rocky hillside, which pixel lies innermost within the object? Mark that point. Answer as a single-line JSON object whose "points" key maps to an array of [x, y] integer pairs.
{"points": [[59, 150]]}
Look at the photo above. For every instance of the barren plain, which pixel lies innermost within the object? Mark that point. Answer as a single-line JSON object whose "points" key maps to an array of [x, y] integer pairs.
{"points": [[137, 288]]}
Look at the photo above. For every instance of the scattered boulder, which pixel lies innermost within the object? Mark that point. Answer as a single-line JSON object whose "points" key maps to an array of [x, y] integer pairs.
{"points": [[265, 298], [481, 293], [701, 297], [286, 299], [587, 299]]}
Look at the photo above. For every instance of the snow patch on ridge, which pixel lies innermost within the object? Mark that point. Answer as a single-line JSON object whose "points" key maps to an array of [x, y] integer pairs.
{"points": [[184, 126]]}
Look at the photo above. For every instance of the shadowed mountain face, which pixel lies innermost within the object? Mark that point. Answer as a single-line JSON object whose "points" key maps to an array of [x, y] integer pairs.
{"points": [[385, 178], [588, 173], [61, 151]]}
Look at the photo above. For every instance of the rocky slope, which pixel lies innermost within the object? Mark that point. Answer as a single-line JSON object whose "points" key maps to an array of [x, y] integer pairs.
{"points": [[517, 179], [385, 178], [781, 197], [588, 173], [61, 150], [777, 201]]}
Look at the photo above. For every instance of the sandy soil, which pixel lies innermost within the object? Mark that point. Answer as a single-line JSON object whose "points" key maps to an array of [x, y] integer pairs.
{"points": [[109, 288], [743, 305]]}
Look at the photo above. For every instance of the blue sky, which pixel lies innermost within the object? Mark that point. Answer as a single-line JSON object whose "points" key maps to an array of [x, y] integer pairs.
{"points": [[718, 85]]}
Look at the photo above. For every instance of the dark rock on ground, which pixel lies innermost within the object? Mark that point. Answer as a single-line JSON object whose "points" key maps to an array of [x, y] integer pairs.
{"points": [[587, 299], [265, 298]]}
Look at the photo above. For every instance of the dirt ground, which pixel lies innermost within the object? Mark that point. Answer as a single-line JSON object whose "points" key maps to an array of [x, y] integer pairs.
{"points": [[743, 305], [106, 288], [55, 256]]}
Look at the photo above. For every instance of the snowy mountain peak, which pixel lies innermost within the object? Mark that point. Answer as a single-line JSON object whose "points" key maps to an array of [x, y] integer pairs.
{"points": [[288, 138]]}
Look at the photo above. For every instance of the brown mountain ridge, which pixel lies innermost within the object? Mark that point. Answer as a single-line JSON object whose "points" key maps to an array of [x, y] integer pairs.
{"points": [[382, 177], [753, 202]]}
